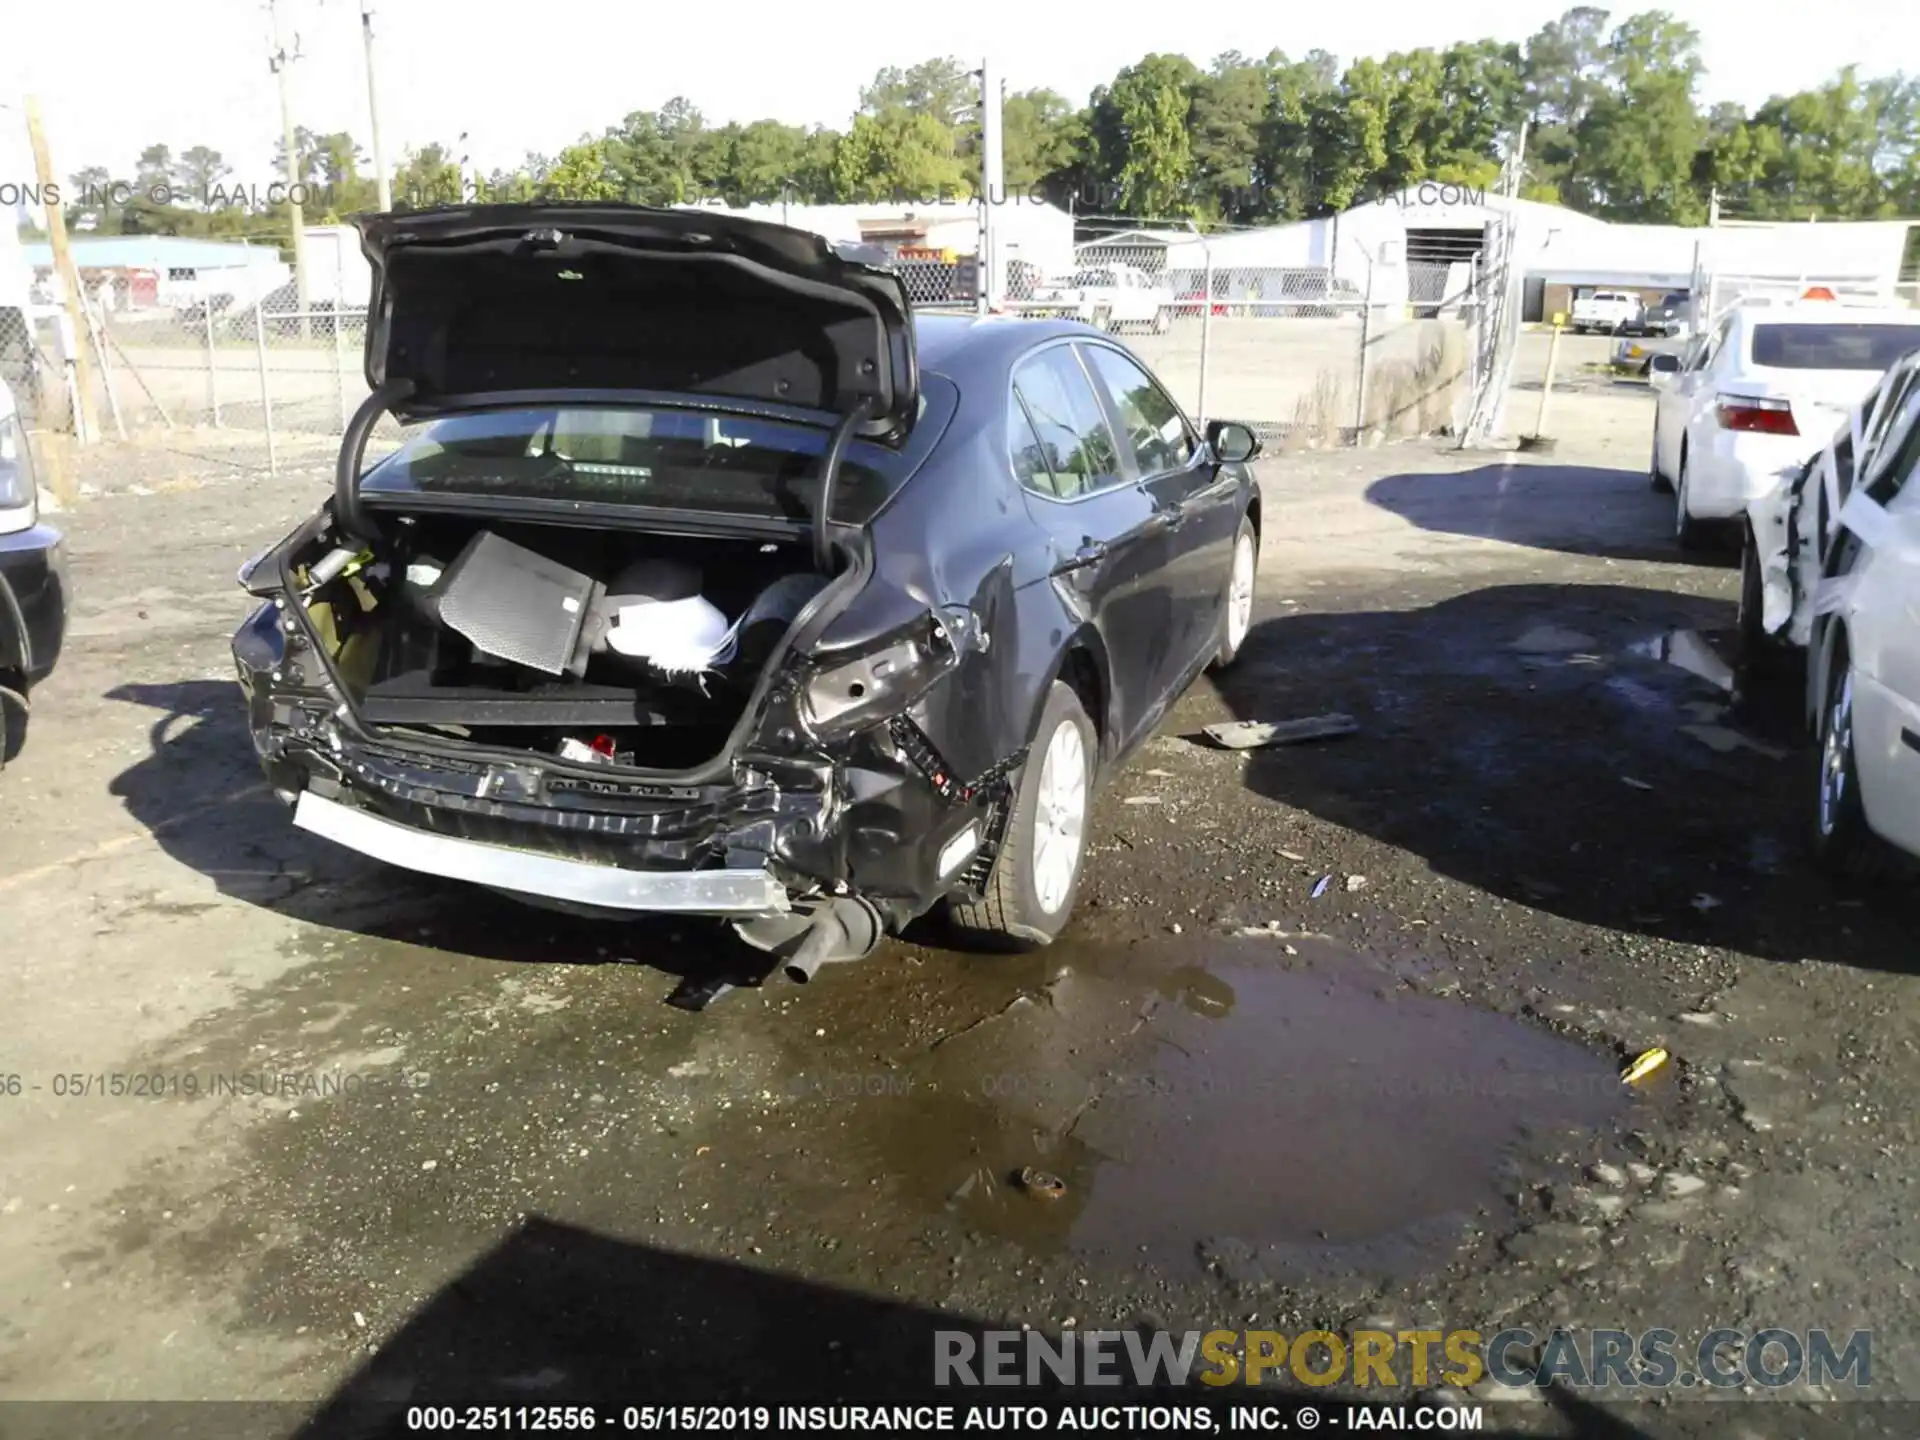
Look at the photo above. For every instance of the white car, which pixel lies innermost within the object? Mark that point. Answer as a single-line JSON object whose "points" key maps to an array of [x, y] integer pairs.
{"points": [[1756, 395], [1791, 533], [1863, 658], [1110, 297], [1609, 310]]}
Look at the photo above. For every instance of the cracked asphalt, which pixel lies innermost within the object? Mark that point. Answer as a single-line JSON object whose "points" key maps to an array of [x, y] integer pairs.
{"points": [[288, 1121]]}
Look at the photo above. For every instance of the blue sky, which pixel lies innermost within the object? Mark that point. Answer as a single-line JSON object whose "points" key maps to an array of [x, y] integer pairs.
{"points": [[113, 76]]}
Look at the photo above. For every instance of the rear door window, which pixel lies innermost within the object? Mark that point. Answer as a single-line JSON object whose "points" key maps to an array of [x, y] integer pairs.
{"points": [[1836, 346], [1071, 428]]}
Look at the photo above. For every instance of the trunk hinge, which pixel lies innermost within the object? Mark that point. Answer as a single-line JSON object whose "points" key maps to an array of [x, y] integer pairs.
{"points": [[353, 444], [829, 474]]}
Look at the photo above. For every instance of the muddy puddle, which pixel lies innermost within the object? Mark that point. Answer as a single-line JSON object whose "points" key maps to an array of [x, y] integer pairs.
{"points": [[1214, 1100]]}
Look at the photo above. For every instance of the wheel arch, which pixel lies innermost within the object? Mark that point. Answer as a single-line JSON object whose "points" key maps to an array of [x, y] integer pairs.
{"points": [[1082, 666]]}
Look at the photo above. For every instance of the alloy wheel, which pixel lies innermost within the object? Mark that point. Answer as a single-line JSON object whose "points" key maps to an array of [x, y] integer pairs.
{"points": [[1059, 817], [1240, 593], [1836, 753]]}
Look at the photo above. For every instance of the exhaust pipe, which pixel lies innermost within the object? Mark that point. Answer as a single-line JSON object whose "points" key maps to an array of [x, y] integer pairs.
{"points": [[842, 930]]}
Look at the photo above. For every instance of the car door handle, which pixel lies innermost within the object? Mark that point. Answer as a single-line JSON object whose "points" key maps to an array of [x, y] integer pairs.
{"points": [[1166, 519], [1089, 554]]}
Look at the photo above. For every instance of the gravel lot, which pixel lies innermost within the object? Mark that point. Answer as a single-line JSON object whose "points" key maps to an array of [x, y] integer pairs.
{"points": [[1549, 851]]}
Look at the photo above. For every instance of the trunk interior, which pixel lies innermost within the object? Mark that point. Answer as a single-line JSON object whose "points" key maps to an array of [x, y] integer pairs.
{"points": [[592, 645]]}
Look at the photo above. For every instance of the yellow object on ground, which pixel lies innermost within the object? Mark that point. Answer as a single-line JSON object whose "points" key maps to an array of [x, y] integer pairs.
{"points": [[1644, 1065]]}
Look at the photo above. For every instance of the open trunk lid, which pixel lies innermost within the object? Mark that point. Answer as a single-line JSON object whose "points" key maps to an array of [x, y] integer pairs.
{"points": [[476, 305]]}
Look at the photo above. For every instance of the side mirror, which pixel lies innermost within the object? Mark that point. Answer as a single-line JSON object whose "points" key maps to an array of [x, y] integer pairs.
{"points": [[1664, 364], [1231, 442]]}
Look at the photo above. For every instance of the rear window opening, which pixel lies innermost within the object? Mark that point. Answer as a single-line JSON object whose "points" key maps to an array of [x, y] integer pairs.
{"points": [[1837, 346], [656, 457]]}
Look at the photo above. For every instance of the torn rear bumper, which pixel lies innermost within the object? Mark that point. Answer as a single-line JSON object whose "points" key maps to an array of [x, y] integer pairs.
{"points": [[740, 893]]}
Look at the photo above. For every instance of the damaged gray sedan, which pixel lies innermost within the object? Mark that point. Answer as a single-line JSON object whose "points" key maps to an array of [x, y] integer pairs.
{"points": [[707, 580]]}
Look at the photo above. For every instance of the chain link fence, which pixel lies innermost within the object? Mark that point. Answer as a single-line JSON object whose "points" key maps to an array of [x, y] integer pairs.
{"points": [[241, 377], [1307, 355]]}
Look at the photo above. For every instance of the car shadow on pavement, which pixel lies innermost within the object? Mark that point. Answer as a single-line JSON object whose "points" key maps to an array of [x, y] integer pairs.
{"points": [[1575, 509], [199, 792], [556, 1315], [1530, 741]]}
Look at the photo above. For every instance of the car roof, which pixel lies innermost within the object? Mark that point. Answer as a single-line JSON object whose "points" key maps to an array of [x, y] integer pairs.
{"points": [[961, 346]]}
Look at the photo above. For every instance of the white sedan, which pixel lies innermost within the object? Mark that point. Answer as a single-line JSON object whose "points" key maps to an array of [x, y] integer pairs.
{"points": [[1756, 395], [1863, 661], [1792, 535]]}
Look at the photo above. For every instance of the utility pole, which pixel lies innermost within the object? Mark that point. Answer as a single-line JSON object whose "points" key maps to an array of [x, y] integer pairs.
{"points": [[278, 61], [373, 111], [86, 420], [1518, 177], [993, 187], [1713, 208]]}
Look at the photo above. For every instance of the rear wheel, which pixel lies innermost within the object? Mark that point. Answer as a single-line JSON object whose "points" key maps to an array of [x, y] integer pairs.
{"points": [[1036, 876], [1661, 485], [1692, 534], [1843, 846]]}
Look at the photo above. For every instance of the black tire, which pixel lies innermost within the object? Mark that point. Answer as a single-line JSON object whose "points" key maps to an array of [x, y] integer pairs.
{"points": [[1842, 844], [1227, 646], [1690, 534], [1660, 483], [1011, 915]]}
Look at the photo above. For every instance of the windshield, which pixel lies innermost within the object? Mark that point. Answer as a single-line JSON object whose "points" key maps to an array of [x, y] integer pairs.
{"points": [[655, 457], [1836, 346]]}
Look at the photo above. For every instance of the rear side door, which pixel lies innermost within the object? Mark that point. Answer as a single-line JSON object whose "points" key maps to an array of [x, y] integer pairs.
{"points": [[1198, 501], [1108, 550]]}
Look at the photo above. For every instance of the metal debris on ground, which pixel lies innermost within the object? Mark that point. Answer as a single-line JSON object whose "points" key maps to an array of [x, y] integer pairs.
{"points": [[1356, 882], [1042, 1184], [698, 994], [1256, 734], [1289, 855], [1644, 1065], [1320, 886], [1142, 800], [1636, 784]]}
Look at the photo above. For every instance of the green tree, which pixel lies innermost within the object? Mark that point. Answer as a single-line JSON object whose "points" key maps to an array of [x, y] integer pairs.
{"points": [[1142, 144], [1229, 106], [1564, 73], [1636, 145], [1289, 157], [154, 167], [654, 153], [900, 155], [1041, 140], [427, 176], [198, 170], [580, 172]]}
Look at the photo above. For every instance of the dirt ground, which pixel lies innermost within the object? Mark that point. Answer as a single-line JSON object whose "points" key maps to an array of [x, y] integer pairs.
{"points": [[413, 1136]]}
